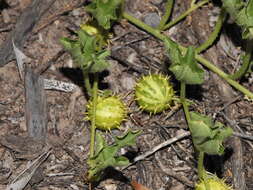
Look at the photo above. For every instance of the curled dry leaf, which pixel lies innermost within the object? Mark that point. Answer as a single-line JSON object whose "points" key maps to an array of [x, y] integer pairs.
{"points": [[138, 186]]}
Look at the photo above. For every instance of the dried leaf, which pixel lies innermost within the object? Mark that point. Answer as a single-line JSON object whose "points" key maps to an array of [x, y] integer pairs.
{"points": [[24, 177], [138, 186]]}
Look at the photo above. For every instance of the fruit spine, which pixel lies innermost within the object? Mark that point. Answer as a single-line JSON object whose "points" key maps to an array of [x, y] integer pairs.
{"points": [[212, 183]]}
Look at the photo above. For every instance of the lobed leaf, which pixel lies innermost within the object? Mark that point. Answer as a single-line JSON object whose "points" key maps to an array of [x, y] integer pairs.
{"points": [[85, 52], [242, 12], [208, 136], [106, 154], [105, 11], [185, 68]]}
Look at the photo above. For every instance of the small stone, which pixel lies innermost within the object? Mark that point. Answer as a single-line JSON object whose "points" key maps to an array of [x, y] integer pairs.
{"points": [[6, 16], [76, 12], [157, 2], [152, 19], [178, 187], [127, 82]]}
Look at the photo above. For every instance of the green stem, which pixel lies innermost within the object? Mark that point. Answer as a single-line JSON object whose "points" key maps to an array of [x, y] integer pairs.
{"points": [[143, 26], [165, 17], [233, 8], [246, 61], [214, 34], [93, 120], [201, 169], [225, 76], [183, 101], [185, 14], [193, 2], [203, 61], [87, 83], [251, 33]]}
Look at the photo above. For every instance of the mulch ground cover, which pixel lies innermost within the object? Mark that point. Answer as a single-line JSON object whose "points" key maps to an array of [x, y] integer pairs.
{"points": [[63, 144]]}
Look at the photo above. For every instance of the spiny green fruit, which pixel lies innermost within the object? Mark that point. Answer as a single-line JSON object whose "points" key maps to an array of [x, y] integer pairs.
{"points": [[213, 183], [110, 112], [154, 93]]}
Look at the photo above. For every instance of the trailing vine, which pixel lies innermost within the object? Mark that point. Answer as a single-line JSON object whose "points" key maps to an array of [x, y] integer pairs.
{"points": [[154, 93]]}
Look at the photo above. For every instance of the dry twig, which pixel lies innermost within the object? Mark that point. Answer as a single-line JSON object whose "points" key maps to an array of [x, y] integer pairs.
{"points": [[160, 146]]}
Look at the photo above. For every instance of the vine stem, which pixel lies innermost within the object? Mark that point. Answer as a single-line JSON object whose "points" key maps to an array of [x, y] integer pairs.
{"points": [[183, 101], [165, 17], [185, 14], [199, 58], [87, 83], [246, 61], [93, 120], [214, 34], [225, 76], [145, 27], [201, 169]]}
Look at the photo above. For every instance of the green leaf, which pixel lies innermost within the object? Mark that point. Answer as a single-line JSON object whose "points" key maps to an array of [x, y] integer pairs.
{"points": [[250, 68], [173, 52], [242, 12], [233, 6], [248, 31], [121, 161], [75, 50], [185, 68], [208, 136], [127, 140], [68, 43], [105, 11], [86, 52], [100, 142], [106, 155], [100, 62], [249, 9]]}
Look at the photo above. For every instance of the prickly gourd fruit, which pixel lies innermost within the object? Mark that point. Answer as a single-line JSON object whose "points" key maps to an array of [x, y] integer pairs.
{"points": [[154, 93], [110, 112], [213, 183]]}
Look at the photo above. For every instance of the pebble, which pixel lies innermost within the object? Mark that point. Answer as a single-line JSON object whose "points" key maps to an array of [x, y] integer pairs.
{"points": [[76, 12], [6, 16], [152, 19], [157, 2]]}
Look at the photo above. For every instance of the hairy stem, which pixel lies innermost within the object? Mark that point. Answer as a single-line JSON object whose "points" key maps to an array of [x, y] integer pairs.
{"points": [[145, 27], [214, 34], [166, 16], [93, 119], [225, 76], [246, 61], [185, 14], [87, 83], [183, 101], [201, 169]]}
